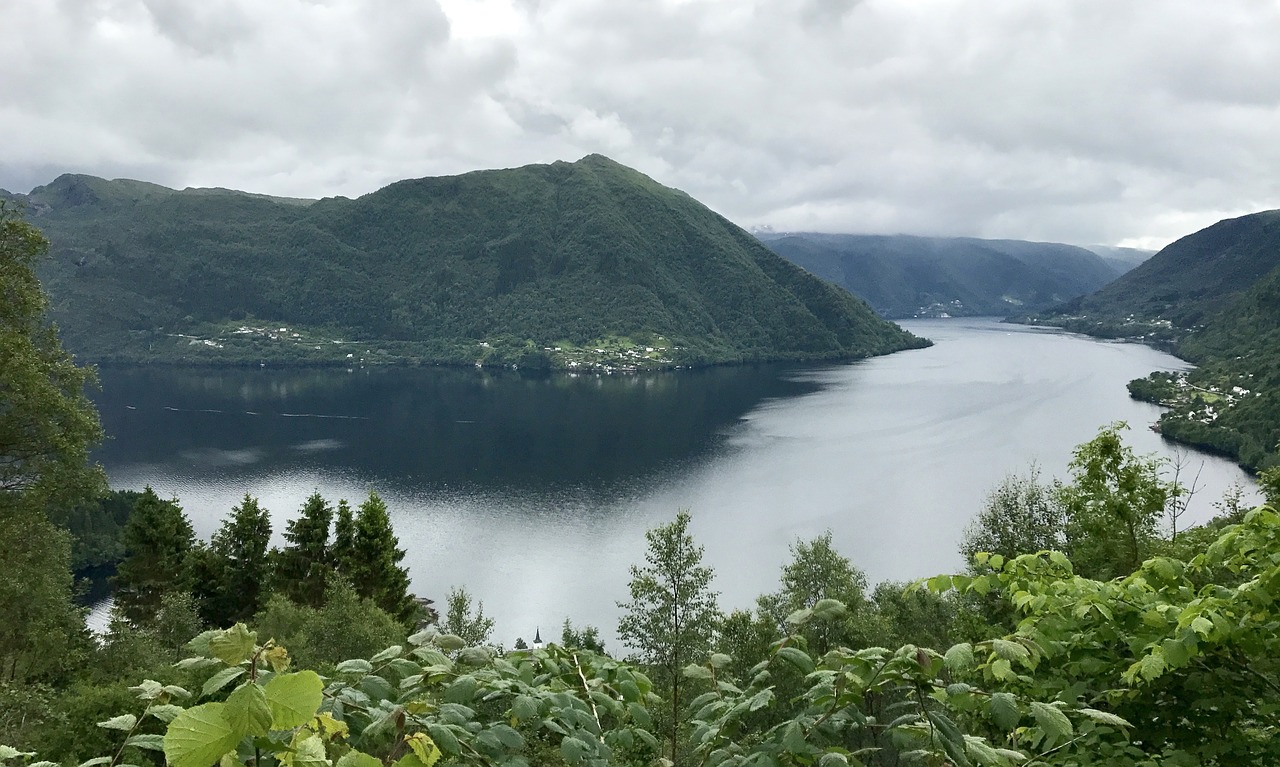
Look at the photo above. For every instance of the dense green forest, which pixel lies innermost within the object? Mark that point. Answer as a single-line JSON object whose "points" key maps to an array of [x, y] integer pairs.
{"points": [[1213, 298], [1089, 629], [906, 276], [585, 264]]}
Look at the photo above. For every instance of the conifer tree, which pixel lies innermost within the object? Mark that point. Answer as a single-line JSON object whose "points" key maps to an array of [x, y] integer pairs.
{"points": [[239, 567], [343, 550], [375, 569], [303, 565], [157, 540]]}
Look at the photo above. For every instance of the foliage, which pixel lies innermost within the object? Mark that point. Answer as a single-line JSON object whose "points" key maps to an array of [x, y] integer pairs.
{"points": [[343, 550], [473, 627], [97, 529], [1113, 504], [376, 572], [345, 626], [158, 538], [672, 617], [585, 638], [303, 566], [817, 572], [237, 567], [1020, 515], [1190, 664], [494, 266], [47, 426]]}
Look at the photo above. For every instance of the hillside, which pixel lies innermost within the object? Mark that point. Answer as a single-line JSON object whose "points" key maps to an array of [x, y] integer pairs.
{"points": [[565, 265], [906, 276], [1212, 297]]}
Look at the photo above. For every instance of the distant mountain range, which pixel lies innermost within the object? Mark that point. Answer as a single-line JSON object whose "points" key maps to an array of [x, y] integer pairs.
{"points": [[1213, 297], [585, 264], [905, 276]]}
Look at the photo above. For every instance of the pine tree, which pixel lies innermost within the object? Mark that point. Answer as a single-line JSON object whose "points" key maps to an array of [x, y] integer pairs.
{"points": [[239, 566], [157, 540], [303, 565], [375, 569]]}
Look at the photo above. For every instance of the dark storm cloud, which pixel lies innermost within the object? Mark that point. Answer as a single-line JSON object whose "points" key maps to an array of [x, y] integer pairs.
{"points": [[1084, 121]]}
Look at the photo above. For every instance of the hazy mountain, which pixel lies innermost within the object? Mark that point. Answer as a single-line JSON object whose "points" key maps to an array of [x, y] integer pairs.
{"points": [[907, 276], [585, 263]]}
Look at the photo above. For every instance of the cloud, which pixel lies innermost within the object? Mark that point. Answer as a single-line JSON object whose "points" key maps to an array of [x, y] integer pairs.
{"points": [[1091, 121]]}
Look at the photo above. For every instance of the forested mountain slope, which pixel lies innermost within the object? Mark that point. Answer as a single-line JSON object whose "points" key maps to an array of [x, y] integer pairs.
{"points": [[907, 276], [570, 264], [1214, 298]]}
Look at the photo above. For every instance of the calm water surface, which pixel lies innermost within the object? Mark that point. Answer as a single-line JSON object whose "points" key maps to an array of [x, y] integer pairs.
{"points": [[535, 493]]}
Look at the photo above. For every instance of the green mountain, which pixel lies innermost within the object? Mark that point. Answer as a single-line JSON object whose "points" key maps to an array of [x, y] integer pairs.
{"points": [[906, 276], [564, 265], [1213, 298]]}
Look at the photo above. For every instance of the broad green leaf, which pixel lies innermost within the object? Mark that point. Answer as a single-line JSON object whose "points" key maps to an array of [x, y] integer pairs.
{"points": [[233, 646], [449, 642], [508, 736], [248, 711], [574, 750], [294, 698], [1104, 717], [198, 737], [165, 712], [718, 660], [124, 722], [307, 751], [1001, 669], [797, 658], [394, 651], [355, 666], [149, 742], [833, 759], [96, 761], [829, 609], [694, 671], [9, 752], [1009, 650], [358, 759], [793, 738], [524, 708], [221, 679], [959, 657], [799, 617], [1004, 710], [444, 739], [424, 748], [1052, 720], [463, 689]]}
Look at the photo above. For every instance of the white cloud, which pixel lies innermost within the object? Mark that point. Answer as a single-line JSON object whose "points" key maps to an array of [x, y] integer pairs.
{"points": [[1089, 121]]}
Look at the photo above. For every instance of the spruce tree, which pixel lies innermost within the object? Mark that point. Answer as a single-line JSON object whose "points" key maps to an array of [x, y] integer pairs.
{"points": [[157, 540], [343, 551], [303, 565], [375, 569], [239, 568]]}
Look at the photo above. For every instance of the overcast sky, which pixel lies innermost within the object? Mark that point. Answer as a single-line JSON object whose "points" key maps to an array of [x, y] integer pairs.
{"points": [[1088, 121]]}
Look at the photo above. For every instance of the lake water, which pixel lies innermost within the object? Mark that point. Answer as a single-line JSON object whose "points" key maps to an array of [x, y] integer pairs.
{"points": [[535, 492]]}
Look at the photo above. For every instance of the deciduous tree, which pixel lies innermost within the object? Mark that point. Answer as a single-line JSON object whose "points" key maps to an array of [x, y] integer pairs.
{"points": [[671, 618]]}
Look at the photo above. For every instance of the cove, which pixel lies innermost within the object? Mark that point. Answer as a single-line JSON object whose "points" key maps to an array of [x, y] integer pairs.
{"points": [[535, 492]]}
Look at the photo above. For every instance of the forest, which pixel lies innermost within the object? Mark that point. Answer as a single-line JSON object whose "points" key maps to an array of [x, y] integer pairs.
{"points": [[1090, 627]]}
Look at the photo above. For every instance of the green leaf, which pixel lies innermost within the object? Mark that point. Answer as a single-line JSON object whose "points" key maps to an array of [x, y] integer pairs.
{"points": [[95, 761], [395, 651], [829, 609], [1104, 717], [1052, 720], [233, 646], [358, 759], [799, 617], [149, 742], [1009, 650], [449, 642], [445, 739], [1003, 708], [124, 722], [308, 751], [248, 711], [198, 737], [424, 748], [165, 712], [797, 658], [508, 736], [793, 738], [524, 708], [294, 698], [463, 690], [959, 657], [719, 660], [355, 666], [694, 671], [9, 752], [573, 750], [220, 680]]}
